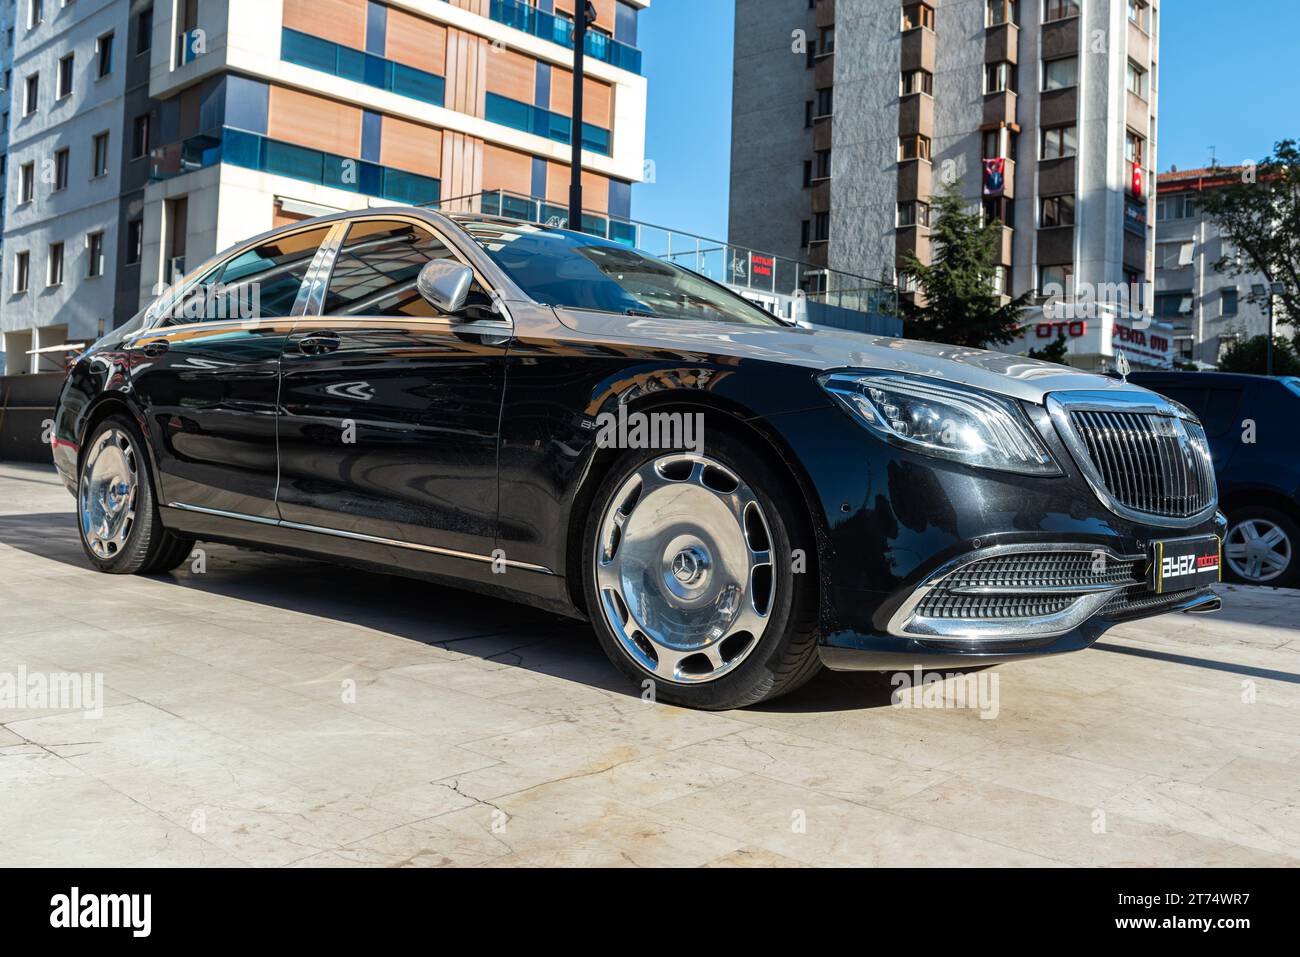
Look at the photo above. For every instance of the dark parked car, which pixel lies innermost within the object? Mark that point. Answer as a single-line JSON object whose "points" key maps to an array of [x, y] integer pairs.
{"points": [[1253, 424], [561, 420]]}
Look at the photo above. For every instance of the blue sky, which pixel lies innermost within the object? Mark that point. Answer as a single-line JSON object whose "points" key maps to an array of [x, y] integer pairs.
{"points": [[1229, 78]]}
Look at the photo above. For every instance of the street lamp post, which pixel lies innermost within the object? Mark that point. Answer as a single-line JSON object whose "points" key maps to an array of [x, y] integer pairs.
{"points": [[583, 14], [1270, 292]]}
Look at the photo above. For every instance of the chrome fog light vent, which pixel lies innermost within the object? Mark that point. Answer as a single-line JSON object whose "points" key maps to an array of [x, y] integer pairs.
{"points": [[1016, 592]]}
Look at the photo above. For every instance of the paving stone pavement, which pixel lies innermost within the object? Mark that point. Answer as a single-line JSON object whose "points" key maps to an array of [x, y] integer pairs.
{"points": [[273, 711]]}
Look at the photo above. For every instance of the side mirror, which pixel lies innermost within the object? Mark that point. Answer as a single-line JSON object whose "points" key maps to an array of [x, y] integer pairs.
{"points": [[445, 283]]}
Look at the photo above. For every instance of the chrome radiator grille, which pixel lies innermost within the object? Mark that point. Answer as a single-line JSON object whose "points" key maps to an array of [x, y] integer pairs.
{"points": [[1154, 464]]}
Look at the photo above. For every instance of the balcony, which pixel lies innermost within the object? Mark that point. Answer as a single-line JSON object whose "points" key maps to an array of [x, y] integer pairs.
{"points": [[918, 50], [1000, 108], [1058, 107], [915, 180], [1056, 176], [559, 29], [824, 71], [916, 115], [912, 239], [1056, 246], [1060, 38], [350, 64], [1004, 246], [825, 13], [821, 196], [822, 133], [1002, 43]]}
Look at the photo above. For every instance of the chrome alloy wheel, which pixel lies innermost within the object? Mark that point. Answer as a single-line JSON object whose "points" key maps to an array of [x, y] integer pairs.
{"points": [[1257, 550], [684, 568], [110, 482]]}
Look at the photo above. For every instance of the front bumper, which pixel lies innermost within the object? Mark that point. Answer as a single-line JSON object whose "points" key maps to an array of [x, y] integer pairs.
{"points": [[893, 524]]}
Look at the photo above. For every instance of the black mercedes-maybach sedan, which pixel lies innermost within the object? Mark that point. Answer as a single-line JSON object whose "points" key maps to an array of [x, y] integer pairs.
{"points": [[561, 420]]}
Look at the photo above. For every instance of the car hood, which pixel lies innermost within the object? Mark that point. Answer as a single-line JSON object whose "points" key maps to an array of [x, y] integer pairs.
{"points": [[823, 349]]}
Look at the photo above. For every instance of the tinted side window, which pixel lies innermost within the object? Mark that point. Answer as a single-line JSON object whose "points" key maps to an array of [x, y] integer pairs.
{"points": [[259, 283], [1220, 413], [376, 269]]}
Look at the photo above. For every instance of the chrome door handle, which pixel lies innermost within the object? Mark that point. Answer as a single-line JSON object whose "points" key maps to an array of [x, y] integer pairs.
{"points": [[317, 343], [155, 347]]}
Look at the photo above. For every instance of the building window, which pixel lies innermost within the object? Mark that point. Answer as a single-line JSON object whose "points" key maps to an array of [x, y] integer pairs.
{"points": [[1139, 12], [913, 213], [144, 32], [1003, 142], [99, 159], [1228, 302], [821, 230], [913, 147], [61, 169], [1059, 9], [95, 249], [998, 12], [807, 172], [35, 13], [134, 241], [917, 81], [825, 102], [1059, 277], [1175, 206], [1133, 147], [999, 77], [104, 55], [811, 54], [1056, 211], [1060, 141], [918, 15], [805, 233], [1137, 80], [140, 136], [64, 86], [999, 209], [26, 182], [826, 40], [54, 268], [1060, 74], [807, 114], [31, 94], [22, 271], [822, 164]]}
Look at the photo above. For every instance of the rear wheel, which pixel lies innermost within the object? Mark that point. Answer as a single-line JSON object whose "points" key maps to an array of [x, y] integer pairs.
{"points": [[117, 511], [1260, 547], [689, 578]]}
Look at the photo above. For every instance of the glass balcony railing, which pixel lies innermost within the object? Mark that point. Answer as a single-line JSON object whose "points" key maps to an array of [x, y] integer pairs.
{"points": [[351, 64], [553, 126], [254, 151], [559, 29], [789, 288]]}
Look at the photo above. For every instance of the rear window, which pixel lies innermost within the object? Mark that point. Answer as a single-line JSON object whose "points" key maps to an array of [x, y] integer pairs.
{"points": [[565, 269]]}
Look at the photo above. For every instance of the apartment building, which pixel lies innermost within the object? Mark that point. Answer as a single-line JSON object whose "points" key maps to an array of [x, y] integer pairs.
{"points": [[849, 116], [1208, 309], [8, 12], [230, 117]]}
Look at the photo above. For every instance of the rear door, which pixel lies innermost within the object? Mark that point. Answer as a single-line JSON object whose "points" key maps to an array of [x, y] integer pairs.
{"points": [[206, 375], [391, 410]]}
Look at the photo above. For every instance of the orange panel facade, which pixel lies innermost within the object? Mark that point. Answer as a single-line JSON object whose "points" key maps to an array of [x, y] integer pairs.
{"points": [[313, 121], [507, 169], [416, 42], [511, 74], [597, 98], [462, 165], [595, 188], [343, 21], [411, 146], [467, 62]]}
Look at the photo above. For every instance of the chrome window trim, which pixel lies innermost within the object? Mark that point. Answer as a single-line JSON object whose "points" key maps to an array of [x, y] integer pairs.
{"points": [[358, 536], [1061, 404], [906, 624]]}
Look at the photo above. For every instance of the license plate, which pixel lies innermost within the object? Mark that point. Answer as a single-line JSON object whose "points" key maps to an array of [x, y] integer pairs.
{"points": [[1178, 564]]}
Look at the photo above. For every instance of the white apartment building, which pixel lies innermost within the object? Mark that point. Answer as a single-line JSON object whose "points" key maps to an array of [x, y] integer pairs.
{"points": [[261, 112]]}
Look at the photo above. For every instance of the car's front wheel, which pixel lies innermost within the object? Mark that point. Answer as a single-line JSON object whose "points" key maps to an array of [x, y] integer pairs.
{"points": [[117, 512], [690, 579], [1260, 547]]}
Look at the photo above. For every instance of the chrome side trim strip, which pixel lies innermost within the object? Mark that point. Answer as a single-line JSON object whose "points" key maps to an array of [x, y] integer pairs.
{"points": [[359, 536]]}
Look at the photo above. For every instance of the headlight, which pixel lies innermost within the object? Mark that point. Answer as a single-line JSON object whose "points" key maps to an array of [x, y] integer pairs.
{"points": [[974, 428]]}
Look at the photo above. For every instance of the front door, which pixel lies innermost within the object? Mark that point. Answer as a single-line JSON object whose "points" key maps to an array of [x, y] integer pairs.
{"points": [[391, 410], [206, 376]]}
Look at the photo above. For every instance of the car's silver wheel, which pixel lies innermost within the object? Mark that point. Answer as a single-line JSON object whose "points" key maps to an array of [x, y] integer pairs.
{"points": [[683, 568], [1258, 550], [110, 484]]}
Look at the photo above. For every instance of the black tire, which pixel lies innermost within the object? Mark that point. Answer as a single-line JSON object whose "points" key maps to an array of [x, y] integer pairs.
{"points": [[786, 655], [149, 548], [1290, 578]]}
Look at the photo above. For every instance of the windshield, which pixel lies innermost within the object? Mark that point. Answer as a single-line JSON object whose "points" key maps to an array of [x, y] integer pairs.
{"points": [[561, 268]]}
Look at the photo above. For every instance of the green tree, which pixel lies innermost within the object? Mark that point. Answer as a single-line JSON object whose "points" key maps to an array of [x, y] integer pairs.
{"points": [[1260, 217], [1250, 355], [1056, 352], [960, 306]]}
